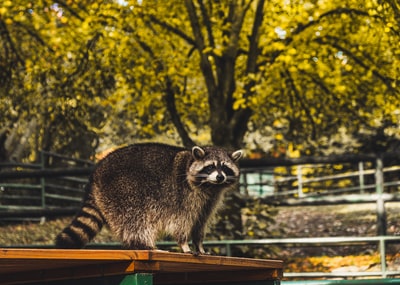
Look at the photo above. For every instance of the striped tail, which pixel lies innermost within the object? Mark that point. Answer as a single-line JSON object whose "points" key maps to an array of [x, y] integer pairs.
{"points": [[87, 223]]}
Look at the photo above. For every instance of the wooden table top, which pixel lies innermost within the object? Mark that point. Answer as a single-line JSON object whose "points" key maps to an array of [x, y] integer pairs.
{"points": [[35, 265]]}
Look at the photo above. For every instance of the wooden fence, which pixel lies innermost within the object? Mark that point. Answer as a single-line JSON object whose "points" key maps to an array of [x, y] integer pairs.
{"points": [[53, 186], [56, 183], [45, 188]]}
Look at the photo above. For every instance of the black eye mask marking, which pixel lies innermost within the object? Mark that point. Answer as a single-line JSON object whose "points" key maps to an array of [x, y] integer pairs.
{"points": [[227, 170], [208, 169]]}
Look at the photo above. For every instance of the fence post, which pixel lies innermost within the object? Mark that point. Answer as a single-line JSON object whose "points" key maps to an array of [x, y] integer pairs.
{"points": [[228, 249], [380, 203], [361, 176], [300, 181], [382, 255]]}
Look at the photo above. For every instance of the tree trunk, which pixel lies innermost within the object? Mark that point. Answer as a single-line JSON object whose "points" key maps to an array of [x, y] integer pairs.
{"points": [[170, 93], [3, 150], [17, 154], [228, 126]]}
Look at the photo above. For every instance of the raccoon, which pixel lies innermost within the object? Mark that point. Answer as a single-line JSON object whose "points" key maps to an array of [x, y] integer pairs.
{"points": [[144, 190]]}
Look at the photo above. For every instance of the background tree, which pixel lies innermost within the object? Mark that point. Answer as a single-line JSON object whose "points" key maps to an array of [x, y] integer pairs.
{"points": [[231, 73], [52, 80], [306, 69]]}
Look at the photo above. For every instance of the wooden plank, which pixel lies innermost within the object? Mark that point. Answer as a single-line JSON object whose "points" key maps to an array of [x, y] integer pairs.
{"points": [[83, 256], [209, 260], [54, 273], [36, 265], [70, 254]]}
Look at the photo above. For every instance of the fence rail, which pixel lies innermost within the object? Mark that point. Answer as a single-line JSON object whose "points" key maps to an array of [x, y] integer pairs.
{"points": [[321, 180], [283, 183], [55, 185]]}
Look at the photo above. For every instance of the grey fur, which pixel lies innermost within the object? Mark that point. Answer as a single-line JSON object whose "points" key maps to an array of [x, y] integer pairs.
{"points": [[144, 190]]}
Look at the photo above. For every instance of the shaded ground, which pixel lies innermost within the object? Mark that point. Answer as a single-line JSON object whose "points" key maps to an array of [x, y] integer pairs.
{"points": [[337, 221], [342, 220], [40, 232]]}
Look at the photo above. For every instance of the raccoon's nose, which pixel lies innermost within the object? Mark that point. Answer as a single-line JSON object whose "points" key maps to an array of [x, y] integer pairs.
{"points": [[220, 178]]}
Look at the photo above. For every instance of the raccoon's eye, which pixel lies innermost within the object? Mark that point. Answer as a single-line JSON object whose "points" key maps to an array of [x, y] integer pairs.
{"points": [[227, 170], [209, 169]]}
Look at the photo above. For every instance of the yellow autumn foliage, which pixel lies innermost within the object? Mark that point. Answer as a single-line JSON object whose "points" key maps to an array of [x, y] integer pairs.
{"points": [[117, 70]]}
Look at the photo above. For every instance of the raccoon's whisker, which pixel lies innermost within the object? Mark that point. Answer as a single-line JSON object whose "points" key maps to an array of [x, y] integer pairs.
{"points": [[203, 182], [233, 178], [201, 175]]}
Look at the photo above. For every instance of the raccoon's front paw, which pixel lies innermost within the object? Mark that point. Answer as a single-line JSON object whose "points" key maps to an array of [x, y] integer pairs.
{"points": [[194, 253], [205, 253], [198, 253]]}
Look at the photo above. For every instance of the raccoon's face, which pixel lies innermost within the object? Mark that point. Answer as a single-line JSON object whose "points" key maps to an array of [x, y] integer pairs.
{"points": [[214, 166]]}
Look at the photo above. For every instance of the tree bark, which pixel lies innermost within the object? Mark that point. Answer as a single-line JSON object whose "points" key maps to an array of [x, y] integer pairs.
{"points": [[170, 93]]}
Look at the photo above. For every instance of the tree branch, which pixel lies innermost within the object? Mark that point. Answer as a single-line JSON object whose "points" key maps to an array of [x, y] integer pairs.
{"points": [[207, 23], [254, 49], [303, 105], [302, 27], [170, 100], [81, 68], [173, 30], [69, 8], [241, 117], [34, 35], [339, 11], [5, 34], [205, 64], [170, 92], [334, 42]]}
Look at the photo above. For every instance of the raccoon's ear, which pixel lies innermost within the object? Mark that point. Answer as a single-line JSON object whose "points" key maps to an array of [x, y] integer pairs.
{"points": [[236, 155], [198, 152]]}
